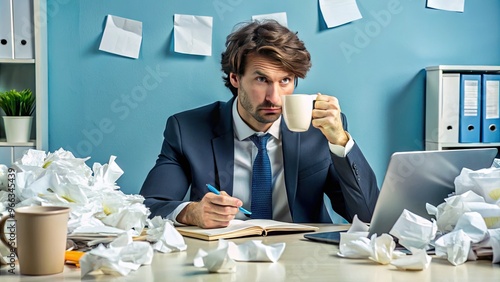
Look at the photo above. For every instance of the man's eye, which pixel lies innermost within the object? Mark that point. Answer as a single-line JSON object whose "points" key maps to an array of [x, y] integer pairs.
{"points": [[285, 80], [261, 79]]}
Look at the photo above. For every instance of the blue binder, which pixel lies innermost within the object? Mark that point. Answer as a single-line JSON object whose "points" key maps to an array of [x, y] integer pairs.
{"points": [[470, 108], [490, 109]]}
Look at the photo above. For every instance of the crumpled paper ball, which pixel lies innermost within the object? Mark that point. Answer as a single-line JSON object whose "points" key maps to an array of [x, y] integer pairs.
{"points": [[382, 248], [418, 260], [223, 258], [122, 256], [454, 246], [484, 182], [414, 231], [165, 237], [4, 172]]}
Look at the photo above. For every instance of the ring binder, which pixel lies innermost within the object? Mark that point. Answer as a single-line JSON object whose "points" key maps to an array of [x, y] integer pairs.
{"points": [[470, 108], [6, 32], [23, 28], [490, 117]]}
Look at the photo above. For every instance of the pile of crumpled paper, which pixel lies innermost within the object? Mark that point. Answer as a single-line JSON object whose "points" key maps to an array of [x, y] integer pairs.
{"points": [[96, 202], [466, 227], [60, 179]]}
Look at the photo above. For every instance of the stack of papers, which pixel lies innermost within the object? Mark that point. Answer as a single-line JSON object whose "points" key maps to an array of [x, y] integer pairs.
{"points": [[94, 235]]}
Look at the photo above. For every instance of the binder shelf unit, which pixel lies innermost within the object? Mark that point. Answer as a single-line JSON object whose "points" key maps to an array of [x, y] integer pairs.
{"points": [[23, 64], [452, 100]]}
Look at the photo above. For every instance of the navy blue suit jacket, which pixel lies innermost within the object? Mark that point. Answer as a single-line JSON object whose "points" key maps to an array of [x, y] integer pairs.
{"points": [[198, 148]]}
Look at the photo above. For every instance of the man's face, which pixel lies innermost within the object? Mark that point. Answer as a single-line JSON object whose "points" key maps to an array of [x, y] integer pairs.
{"points": [[260, 90]]}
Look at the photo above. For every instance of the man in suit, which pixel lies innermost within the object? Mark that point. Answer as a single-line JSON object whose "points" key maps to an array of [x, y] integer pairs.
{"points": [[212, 145]]}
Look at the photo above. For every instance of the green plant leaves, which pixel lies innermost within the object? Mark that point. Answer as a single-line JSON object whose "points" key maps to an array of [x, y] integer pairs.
{"points": [[17, 103]]}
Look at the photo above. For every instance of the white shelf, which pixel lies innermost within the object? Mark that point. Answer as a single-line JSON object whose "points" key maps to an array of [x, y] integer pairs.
{"points": [[463, 68], [451, 146], [4, 143], [29, 73], [17, 61], [436, 137]]}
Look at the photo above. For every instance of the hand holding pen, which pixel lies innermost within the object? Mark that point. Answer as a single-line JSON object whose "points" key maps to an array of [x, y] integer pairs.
{"points": [[217, 192], [214, 210]]}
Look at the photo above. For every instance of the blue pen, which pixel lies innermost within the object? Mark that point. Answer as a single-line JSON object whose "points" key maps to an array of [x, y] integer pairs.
{"points": [[215, 191]]}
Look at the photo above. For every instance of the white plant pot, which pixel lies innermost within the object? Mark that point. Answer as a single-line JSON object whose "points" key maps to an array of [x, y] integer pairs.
{"points": [[17, 128]]}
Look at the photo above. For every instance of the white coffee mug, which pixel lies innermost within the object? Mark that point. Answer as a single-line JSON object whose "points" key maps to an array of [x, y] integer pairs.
{"points": [[297, 111]]}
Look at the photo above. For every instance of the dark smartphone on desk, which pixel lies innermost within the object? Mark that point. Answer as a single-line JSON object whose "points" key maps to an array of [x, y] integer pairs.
{"points": [[330, 237]]}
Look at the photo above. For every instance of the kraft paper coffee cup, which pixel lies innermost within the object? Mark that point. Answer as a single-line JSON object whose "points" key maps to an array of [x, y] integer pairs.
{"points": [[41, 234]]}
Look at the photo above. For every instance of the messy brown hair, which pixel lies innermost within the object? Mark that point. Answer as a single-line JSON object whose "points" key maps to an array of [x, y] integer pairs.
{"points": [[267, 38]]}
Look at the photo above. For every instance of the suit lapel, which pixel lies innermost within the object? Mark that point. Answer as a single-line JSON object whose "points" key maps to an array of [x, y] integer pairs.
{"points": [[291, 152], [223, 147]]}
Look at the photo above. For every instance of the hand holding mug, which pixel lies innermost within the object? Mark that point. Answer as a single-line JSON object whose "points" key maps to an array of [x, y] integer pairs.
{"points": [[323, 110], [327, 118]]}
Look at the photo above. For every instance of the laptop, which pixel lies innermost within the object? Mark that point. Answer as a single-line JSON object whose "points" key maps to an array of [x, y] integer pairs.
{"points": [[413, 179]]}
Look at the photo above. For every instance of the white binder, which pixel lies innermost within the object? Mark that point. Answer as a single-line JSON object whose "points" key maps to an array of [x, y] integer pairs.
{"points": [[24, 45], [449, 122], [6, 33]]}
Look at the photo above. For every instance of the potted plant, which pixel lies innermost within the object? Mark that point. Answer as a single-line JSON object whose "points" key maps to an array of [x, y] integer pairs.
{"points": [[18, 107]]}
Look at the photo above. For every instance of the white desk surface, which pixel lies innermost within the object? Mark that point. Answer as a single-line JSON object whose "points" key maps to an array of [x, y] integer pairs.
{"points": [[302, 260]]}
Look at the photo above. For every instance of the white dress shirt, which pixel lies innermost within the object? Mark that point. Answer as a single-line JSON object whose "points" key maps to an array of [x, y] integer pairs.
{"points": [[245, 152], [244, 155]]}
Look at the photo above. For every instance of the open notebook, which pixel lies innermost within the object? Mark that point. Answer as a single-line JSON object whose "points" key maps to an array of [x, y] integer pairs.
{"points": [[241, 228]]}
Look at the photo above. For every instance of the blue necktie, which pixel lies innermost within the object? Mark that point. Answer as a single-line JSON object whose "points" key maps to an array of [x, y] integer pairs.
{"points": [[262, 196]]}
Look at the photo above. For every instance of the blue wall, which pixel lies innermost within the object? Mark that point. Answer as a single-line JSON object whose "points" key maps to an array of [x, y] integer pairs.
{"points": [[100, 106]]}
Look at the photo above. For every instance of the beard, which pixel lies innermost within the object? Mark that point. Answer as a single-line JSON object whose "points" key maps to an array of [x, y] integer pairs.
{"points": [[253, 111]]}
